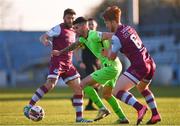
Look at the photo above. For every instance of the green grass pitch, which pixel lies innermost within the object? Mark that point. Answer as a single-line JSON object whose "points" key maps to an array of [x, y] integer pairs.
{"points": [[58, 109]]}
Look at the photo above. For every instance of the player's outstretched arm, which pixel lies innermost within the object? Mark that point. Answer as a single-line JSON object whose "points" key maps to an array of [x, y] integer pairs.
{"points": [[45, 39], [107, 35], [67, 49], [115, 47], [112, 55]]}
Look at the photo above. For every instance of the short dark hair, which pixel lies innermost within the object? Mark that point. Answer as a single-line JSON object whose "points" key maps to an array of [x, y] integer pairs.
{"points": [[91, 19], [80, 20], [69, 11]]}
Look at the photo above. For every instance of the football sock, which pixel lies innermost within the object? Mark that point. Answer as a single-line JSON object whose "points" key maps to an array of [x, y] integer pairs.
{"points": [[78, 104], [92, 94], [149, 97], [129, 99], [90, 102], [38, 95], [116, 107]]}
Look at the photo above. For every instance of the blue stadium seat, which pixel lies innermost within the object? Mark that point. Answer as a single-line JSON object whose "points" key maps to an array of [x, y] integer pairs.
{"points": [[24, 49]]}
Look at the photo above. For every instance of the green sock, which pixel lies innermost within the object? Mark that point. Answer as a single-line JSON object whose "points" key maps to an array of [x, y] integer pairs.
{"points": [[116, 107], [92, 94]]}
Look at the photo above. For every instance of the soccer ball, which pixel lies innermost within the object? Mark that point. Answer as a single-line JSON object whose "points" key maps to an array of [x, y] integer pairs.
{"points": [[36, 113]]}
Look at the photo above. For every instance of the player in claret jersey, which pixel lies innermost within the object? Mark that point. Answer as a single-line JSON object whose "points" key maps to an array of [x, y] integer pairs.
{"points": [[62, 35], [142, 67]]}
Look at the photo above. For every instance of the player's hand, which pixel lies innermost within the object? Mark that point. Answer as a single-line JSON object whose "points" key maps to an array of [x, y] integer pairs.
{"points": [[44, 40], [112, 56], [55, 53], [104, 52], [47, 43]]}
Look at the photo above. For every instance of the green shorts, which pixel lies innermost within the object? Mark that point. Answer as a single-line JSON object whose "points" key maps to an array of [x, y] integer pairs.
{"points": [[109, 74]]}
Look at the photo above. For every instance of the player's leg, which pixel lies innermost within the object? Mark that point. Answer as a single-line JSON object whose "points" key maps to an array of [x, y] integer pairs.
{"points": [[121, 91], [89, 106], [92, 94], [88, 83], [40, 92], [107, 95], [143, 87], [72, 79], [77, 97], [90, 69], [50, 84]]}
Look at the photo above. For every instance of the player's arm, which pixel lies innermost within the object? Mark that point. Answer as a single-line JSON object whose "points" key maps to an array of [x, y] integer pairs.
{"points": [[67, 49], [78, 58], [45, 39], [115, 46], [107, 35], [104, 35]]}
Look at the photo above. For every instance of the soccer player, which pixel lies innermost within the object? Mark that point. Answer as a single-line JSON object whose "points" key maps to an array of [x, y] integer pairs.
{"points": [[89, 62], [61, 66], [141, 71], [107, 75]]}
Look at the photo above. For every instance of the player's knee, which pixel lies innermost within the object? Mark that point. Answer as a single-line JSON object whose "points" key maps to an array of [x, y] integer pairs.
{"points": [[78, 90], [51, 83], [142, 86], [114, 92], [106, 95]]}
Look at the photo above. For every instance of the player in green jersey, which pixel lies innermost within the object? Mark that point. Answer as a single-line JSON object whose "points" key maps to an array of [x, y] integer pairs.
{"points": [[107, 75]]}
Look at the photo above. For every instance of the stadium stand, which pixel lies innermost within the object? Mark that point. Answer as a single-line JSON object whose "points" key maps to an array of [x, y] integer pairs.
{"points": [[162, 49], [166, 53], [2, 59], [24, 49], [21, 51]]}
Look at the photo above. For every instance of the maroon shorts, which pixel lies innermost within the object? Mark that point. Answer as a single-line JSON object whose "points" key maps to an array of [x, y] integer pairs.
{"points": [[141, 72], [66, 71]]}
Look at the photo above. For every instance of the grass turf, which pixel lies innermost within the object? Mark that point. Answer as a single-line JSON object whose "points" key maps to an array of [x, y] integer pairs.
{"points": [[59, 111]]}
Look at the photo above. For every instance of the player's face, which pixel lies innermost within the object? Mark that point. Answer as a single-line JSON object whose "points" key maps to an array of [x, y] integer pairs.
{"points": [[92, 25], [110, 26], [68, 20], [80, 29]]}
